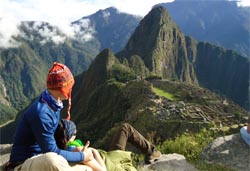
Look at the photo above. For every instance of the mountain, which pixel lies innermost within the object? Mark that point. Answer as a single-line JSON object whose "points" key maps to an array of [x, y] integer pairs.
{"points": [[112, 27], [223, 71], [219, 22], [162, 47], [168, 53]]}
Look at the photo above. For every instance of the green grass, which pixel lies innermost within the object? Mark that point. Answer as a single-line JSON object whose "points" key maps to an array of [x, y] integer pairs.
{"points": [[163, 93], [190, 145]]}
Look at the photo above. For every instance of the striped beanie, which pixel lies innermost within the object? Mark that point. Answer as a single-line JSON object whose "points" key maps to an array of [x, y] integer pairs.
{"points": [[60, 78]]}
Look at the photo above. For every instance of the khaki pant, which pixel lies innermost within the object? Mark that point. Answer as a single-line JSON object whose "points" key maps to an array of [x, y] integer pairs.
{"points": [[50, 162], [127, 133]]}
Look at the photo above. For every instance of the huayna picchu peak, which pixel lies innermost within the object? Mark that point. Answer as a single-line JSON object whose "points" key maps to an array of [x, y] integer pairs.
{"points": [[162, 47], [168, 53]]}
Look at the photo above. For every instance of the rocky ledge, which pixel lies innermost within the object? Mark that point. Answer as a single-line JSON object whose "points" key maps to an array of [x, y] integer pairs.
{"points": [[229, 151]]}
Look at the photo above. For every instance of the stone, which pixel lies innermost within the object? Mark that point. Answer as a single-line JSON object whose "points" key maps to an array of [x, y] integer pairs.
{"points": [[229, 151], [4, 154], [170, 162]]}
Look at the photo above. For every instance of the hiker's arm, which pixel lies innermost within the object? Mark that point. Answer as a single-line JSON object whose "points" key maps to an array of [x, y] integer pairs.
{"points": [[98, 158], [95, 165]]}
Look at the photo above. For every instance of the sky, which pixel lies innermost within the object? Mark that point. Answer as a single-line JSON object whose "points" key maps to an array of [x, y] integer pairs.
{"points": [[62, 12]]}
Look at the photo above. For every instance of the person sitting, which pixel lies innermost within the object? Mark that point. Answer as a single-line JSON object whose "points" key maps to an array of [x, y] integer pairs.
{"points": [[65, 136], [245, 132], [34, 146]]}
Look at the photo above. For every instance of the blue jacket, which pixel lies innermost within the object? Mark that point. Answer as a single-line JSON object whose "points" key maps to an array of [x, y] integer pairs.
{"points": [[35, 131]]}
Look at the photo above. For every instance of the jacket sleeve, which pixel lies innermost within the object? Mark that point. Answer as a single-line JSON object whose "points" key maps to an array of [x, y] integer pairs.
{"points": [[43, 127]]}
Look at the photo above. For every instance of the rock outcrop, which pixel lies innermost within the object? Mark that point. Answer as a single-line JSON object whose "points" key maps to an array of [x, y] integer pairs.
{"points": [[4, 154], [229, 151], [170, 162]]}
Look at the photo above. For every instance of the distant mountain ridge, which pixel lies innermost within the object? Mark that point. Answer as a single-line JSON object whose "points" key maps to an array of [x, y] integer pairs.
{"points": [[220, 22], [112, 27]]}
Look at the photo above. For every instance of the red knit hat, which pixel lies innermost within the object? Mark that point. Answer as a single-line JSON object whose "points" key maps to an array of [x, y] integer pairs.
{"points": [[60, 78]]}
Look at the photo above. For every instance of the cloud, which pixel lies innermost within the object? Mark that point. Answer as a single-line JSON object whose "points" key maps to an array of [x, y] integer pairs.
{"points": [[244, 3], [83, 30], [59, 13], [45, 32], [8, 29]]}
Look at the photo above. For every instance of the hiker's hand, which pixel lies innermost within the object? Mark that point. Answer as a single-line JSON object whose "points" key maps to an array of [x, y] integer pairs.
{"points": [[88, 155]]}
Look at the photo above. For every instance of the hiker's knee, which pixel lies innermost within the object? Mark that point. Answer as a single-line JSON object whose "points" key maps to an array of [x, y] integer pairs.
{"points": [[126, 126], [48, 161]]}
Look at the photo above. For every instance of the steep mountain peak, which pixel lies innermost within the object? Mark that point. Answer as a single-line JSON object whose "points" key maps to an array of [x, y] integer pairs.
{"points": [[105, 59], [98, 71], [146, 35], [161, 45], [159, 13], [110, 9], [158, 17], [105, 14]]}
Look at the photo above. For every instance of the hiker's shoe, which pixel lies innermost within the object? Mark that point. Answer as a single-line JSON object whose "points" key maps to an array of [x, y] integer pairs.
{"points": [[153, 156]]}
